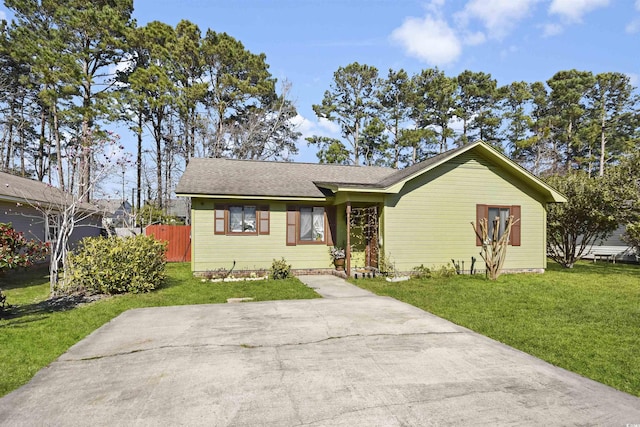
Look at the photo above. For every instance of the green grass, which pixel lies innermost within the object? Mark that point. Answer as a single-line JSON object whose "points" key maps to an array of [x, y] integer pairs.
{"points": [[35, 336], [586, 319]]}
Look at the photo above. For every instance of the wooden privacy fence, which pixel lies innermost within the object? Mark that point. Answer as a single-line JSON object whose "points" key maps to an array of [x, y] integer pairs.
{"points": [[178, 238]]}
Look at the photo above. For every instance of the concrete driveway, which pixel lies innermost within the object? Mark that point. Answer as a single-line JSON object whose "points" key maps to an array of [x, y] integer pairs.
{"points": [[351, 359]]}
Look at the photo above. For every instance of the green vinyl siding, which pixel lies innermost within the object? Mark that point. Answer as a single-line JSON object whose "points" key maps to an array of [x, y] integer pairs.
{"points": [[251, 252], [429, 221]]}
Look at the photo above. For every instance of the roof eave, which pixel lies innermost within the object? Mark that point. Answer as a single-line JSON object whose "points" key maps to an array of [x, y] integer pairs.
{"points": [[342, 188], [251, 197]]}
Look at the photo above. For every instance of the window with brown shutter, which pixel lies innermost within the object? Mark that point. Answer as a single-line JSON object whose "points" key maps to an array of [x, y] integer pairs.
{"points": [[490, 212], [310, 225], [241, 220], [220, 226], [517, 225], [263, 224], [292, 227]]}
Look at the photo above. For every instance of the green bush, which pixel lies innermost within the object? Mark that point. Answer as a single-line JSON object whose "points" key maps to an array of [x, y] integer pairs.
{"points": [[280, 269], [422, 272], [116, 265]]}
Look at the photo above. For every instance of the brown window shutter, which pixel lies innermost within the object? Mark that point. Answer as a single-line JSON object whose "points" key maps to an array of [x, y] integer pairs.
{"points": [[263, 219], [291, 227], [331, 226], [220, 219], [482, 211], [515, 229]]}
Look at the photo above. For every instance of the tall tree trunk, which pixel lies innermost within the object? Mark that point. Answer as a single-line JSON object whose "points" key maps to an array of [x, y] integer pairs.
{"points": [[40, 160], [356, 135], [85, 172], [139, 162], [603, 141], [157, 133], [10, 137], [56, 135]]}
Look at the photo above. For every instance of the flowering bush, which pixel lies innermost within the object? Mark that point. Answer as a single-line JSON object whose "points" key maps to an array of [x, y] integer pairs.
{"points": [[17, 251], [337, 253]]}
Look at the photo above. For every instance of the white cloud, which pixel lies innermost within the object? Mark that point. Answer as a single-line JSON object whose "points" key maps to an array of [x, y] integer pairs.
{"points": [[302, 124], [474, 39], [3, 15], [434, 6], [633, 26], [504, 53], [430, 39], [634, 79], [307, 128], [329, 126], [574, 10], [322, 127], [499, 17], [550, 29]]}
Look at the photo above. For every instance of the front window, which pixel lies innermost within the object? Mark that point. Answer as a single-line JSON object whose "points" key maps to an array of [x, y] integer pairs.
{"points": [[242, 219], [311, 224], [503, 216]]}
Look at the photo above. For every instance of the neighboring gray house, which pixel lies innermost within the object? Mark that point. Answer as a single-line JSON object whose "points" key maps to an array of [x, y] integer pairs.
{"points": [[32, 207], [180, 208], [116, 213], [613, 248]]}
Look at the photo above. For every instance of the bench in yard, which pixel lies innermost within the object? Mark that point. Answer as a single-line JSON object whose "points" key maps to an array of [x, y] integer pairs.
{"points": [[609, 253]]}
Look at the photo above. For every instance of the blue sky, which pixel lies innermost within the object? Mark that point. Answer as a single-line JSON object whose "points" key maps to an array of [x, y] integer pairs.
{"points": [[305, 41]]}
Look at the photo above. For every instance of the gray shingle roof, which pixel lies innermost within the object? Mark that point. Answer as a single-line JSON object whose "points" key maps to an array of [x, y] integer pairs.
{"points": [[224, 177], [24, 190], [286, 179], [17, 188], [257, 178]]}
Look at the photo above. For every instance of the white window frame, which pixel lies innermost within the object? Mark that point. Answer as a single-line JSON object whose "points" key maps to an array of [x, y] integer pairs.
{"points": [[52, 227]]}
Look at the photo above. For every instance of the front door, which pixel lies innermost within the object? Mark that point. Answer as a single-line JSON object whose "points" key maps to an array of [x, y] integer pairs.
{"points": [[365, 223]]}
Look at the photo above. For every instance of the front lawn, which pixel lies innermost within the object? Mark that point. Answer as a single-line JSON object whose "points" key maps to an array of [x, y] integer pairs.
{"points": [[586, 319], [35, 334]]}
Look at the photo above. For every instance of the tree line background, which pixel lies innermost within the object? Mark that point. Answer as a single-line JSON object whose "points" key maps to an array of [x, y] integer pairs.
{"points": [[576, 120], [71, 69]]}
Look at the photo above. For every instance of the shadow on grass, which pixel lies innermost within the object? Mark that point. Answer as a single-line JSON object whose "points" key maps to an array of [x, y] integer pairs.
{"points": [[22, 278], [51, 305]]}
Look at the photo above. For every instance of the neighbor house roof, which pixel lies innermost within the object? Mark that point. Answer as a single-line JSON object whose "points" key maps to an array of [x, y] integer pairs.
{"points": [[28, 191], [224, 177]]}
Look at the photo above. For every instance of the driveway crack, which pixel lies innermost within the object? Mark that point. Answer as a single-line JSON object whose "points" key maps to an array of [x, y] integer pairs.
{"points": [[257, 346]]}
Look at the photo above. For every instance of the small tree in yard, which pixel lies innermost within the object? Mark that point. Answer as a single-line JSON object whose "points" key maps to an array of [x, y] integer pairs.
{"points": [[591, 213], [68, 207], [625, 183], [632, 236], [494, 245]]}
